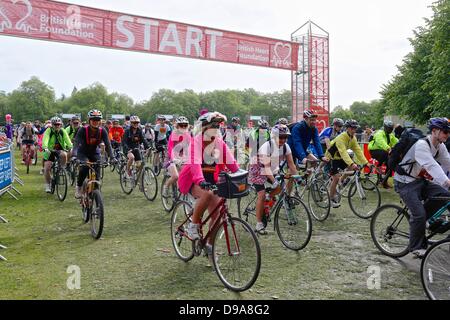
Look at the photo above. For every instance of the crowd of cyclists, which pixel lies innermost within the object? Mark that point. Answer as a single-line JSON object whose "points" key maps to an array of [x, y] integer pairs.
{"points": [[194, 155]]}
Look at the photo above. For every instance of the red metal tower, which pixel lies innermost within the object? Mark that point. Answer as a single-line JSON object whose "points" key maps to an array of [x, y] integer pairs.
{"points": [[310, 83]]}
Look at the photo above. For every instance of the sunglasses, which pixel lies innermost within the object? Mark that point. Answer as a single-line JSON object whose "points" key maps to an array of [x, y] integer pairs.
{"points": [[57, 124], [96, 120], [135, 123], [183, 125], [76, 123], [446, 131], [283, 137]]}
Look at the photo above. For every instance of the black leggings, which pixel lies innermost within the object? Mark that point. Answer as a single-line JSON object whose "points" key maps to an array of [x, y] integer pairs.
{"points": [[382, 157], [84, 171]]}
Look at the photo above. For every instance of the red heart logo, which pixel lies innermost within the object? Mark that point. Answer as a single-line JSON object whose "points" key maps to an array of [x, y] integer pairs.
{"points": [[282, 54], [21, 24]]}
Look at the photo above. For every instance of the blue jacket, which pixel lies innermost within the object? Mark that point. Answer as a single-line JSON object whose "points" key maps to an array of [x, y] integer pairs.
{"points": [[300, 138]]}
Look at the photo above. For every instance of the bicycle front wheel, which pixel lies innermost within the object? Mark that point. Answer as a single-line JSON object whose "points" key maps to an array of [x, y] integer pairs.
{"points": [[435, 271], [61, 184], [126, 182], [149, 184], [168, 200], [389, 229], [319, 200], [97, 214], [365, 201], [293, 223], [236, 254], [184, 247]]}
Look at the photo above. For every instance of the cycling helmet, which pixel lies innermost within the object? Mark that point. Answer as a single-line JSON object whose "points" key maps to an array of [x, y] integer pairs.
{"points": [[338, 121], [115, 121], [309, 114], [95, 114], [439, 123], [235, 119], [182, 120], [56, 120], [280, 130], [162, 118], [351, 124], [135, 119], [210, 117], [263, 124], [388, 124], [75, 118], [283, 121]]}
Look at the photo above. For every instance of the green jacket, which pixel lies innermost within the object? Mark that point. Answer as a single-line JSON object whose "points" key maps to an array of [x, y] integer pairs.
{"points": [[380, 141], [50, 136]]}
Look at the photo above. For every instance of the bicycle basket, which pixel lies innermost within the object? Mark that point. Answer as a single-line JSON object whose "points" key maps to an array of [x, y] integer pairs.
{"points": [[233, 185]]}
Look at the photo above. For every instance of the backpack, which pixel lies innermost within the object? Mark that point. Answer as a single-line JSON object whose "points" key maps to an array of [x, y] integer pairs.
{"points": [[408, 138], [291, 126], [99, 135]]}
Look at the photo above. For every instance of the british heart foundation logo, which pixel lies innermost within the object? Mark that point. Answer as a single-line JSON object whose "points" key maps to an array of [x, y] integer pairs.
{"points": [[282, 55], [7, 17]]}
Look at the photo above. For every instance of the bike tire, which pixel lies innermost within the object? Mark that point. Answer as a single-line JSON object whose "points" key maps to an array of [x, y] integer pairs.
{"points": [[386, 233], [295, 231], [97, 216], [169, 201], [61, 184], [238, 236], [184, 247], [371, 196], [126, 183], [435, 271], [149, 184], [319, 201]]}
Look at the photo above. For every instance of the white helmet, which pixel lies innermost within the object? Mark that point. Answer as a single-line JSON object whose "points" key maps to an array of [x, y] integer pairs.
{"points": [[135, 119]]}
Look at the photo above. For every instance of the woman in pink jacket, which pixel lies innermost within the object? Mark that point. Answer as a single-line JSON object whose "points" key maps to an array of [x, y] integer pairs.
{"points": [[209, 155], [177, 150]]}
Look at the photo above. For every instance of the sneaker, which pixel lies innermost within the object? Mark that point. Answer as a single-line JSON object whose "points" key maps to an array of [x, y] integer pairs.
{"points": [[260, 228], [41, 172], [335, 203], [78, 192], [192, 231], [209, 254], [419, 253], [48, 188]]}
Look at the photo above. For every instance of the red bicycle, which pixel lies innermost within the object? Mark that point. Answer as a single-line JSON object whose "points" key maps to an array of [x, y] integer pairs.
{"points": [[29, 156], [236, 253]]}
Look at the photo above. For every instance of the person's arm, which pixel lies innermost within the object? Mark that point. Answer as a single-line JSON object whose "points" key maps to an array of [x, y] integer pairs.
{"points": [[342, 148], [46, 138], [264, 158], [425, 159], [229, 159], [316, 143], [394, 140], [358, 152], [144, 141], [67, 141], [77, 141], [381, 140], [298, 150]]}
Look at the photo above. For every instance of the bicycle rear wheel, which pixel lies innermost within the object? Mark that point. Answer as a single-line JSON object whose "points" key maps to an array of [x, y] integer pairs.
{"points": [[389, 229], [184, 247], [319, 200], [236, 254], [97, 214], [366, 201], [435, 271], [149, 184], [293, 223], [61, 184]]}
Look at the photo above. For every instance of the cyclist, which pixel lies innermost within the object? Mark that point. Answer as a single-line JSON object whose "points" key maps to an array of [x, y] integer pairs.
{"points": [[131, 142], [282, 121], [328, 134], [116, 133], [149, 134], [29, 137], [341, 159], [72, 130], [55, 140], [380, 146], [232, 135], [161, 135], [177, 150], [256, 138], [301, 136], [208, 155], [262, 174], [87, 146], [421, 174]]}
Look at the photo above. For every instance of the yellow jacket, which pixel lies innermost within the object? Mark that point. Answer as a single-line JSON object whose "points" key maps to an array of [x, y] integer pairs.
{"points": [[340, 145]]}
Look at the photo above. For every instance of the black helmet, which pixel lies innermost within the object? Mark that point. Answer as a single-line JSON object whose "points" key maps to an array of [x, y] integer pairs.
{"points": [[351, 124]]}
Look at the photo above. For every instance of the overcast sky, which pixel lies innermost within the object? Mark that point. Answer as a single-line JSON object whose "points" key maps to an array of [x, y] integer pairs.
{"points": [[367, 40]]}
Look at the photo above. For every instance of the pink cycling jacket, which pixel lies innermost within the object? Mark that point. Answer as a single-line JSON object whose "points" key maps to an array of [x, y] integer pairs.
{"points": [[179, 142], [192, 173]]}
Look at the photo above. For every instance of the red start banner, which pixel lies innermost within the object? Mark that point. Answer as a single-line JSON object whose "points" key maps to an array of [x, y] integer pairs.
{"points": [[57, 21]]}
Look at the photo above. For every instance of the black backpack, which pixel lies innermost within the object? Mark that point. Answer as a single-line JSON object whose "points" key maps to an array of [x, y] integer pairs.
{"points": [[408, 138]]}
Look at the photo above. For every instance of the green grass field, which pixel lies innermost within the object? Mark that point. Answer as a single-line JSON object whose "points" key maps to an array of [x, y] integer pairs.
{"points": [[135, 259]]}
